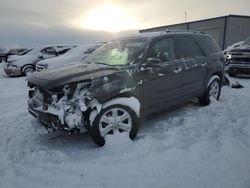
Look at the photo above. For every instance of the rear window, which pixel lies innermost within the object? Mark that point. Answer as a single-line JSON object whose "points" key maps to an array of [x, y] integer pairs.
{"points": [[210, 45], [187, 48]]}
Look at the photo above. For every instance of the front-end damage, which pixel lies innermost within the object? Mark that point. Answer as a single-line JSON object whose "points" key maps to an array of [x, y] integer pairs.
{"points": [[74, 106], [66, 108]]}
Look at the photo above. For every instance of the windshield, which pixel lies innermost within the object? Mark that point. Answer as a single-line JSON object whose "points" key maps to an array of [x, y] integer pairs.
{"points": [[25, 52], [117, 52], [247, 41]]}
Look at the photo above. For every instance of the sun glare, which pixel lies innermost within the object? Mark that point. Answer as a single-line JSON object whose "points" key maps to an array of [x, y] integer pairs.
{"points": [[108, 18]]}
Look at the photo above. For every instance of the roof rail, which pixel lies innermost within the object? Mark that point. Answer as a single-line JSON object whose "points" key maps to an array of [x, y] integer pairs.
{"points": [[181, 31], [174, 30]]}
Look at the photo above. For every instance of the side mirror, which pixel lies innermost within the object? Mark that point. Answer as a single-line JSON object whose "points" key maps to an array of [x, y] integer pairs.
{"points": [[41, 57], [152, 62]]}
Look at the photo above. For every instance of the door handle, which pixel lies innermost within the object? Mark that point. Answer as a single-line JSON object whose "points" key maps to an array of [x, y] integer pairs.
{"points": [[177, 70], [204, 64]]}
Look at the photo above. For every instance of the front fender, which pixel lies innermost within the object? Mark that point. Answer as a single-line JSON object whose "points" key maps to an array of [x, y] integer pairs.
{"points": [[108, 87]]}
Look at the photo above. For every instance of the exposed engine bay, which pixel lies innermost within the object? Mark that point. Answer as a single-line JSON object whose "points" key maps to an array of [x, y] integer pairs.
{"points": [[62, 109]]}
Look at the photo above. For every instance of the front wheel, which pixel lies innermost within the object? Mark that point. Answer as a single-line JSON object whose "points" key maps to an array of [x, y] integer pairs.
{"points": [[27, 70], [212, 92], [113, 120]]}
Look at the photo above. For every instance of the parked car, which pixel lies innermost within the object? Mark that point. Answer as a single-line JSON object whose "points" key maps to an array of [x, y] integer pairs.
{"points": [[238, 59], [5, 54], [125, 80], [2, 54], [25, 63], [73, 55]]}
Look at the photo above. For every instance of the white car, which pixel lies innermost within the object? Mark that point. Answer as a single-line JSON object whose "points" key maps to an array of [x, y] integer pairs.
{"points": [[25, 64], [72, 56]]}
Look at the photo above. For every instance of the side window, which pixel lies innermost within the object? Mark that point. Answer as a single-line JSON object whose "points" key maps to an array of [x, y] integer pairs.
{"points": [[163, 49], [48, 51], [63, 51], [187, 48], [210, 45]]}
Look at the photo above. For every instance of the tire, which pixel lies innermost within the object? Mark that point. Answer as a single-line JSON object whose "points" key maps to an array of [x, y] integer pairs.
{"points": [[215, 85], [105, 123], [28, 69]]}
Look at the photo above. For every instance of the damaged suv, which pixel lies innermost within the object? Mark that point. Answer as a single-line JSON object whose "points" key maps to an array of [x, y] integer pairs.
{"points": [[126, 80]]}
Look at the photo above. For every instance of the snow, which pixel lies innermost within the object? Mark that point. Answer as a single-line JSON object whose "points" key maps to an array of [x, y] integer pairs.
{"points": [[187, 146], [131, 102]]}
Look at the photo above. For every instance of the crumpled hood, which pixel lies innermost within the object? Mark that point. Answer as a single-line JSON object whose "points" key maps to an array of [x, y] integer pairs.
{"points": [[22, 60], [52, 78]]}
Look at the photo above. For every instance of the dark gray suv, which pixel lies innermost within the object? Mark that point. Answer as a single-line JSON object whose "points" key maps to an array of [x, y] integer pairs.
{"points": [[126, 80]]}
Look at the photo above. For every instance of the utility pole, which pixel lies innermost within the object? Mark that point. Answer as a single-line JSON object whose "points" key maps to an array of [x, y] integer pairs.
{"points": [[185, 16]]}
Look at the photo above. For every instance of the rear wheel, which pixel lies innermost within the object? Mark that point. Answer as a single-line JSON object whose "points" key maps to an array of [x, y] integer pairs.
{"points": [[113, 120], [212, 92], [27, 70]]}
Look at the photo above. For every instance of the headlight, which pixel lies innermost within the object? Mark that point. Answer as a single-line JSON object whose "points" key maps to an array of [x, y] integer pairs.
{"points": [[229, 56], [45, 66], [10, 61]]}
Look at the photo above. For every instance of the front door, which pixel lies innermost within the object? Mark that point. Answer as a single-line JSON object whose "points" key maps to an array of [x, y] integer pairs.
{"points": [[162, 82]]}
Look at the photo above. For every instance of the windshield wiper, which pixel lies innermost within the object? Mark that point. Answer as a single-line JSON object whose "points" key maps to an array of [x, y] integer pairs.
{"points": [[96, 62]]}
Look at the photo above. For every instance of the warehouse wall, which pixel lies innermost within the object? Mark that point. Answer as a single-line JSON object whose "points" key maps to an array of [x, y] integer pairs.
{"points": [[177, 27], [225, 30], [214, 27], [238, 29]]}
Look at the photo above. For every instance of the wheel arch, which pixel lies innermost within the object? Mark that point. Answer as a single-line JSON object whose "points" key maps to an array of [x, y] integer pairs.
{"points": [[220, 74], [27, 65], [125, 99]]}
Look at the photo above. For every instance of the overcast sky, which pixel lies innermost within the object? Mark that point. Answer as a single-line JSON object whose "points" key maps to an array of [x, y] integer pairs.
{"points": [[31, 23]]}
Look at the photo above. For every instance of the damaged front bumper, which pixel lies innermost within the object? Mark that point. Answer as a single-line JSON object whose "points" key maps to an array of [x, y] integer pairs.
{"points": [[48, 120], [59, 114]]}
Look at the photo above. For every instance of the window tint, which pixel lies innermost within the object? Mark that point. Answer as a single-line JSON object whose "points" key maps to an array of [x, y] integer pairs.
{"points": [[163, 49], [48, 51], [210, 44], [63, 51], [187, 48]]}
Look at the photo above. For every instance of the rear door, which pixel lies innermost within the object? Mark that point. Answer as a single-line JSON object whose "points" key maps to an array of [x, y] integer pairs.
{"points": [[162, 84], [195, 64]]}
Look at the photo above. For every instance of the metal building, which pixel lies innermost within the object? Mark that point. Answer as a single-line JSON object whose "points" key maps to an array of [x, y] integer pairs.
{"points": [[226, 30]]}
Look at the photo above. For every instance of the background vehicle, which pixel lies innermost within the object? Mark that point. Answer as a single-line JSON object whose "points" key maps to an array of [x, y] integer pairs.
{"points": [[126, 80], [73, 55], [238, 59], [26, 62], [5, 54]]}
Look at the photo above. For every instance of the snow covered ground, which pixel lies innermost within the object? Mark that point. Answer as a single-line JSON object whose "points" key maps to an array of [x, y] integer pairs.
{"points": [[188, 146]]}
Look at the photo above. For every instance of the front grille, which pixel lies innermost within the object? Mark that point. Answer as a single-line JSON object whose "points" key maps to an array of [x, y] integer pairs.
{"points": [[241, 60]]}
